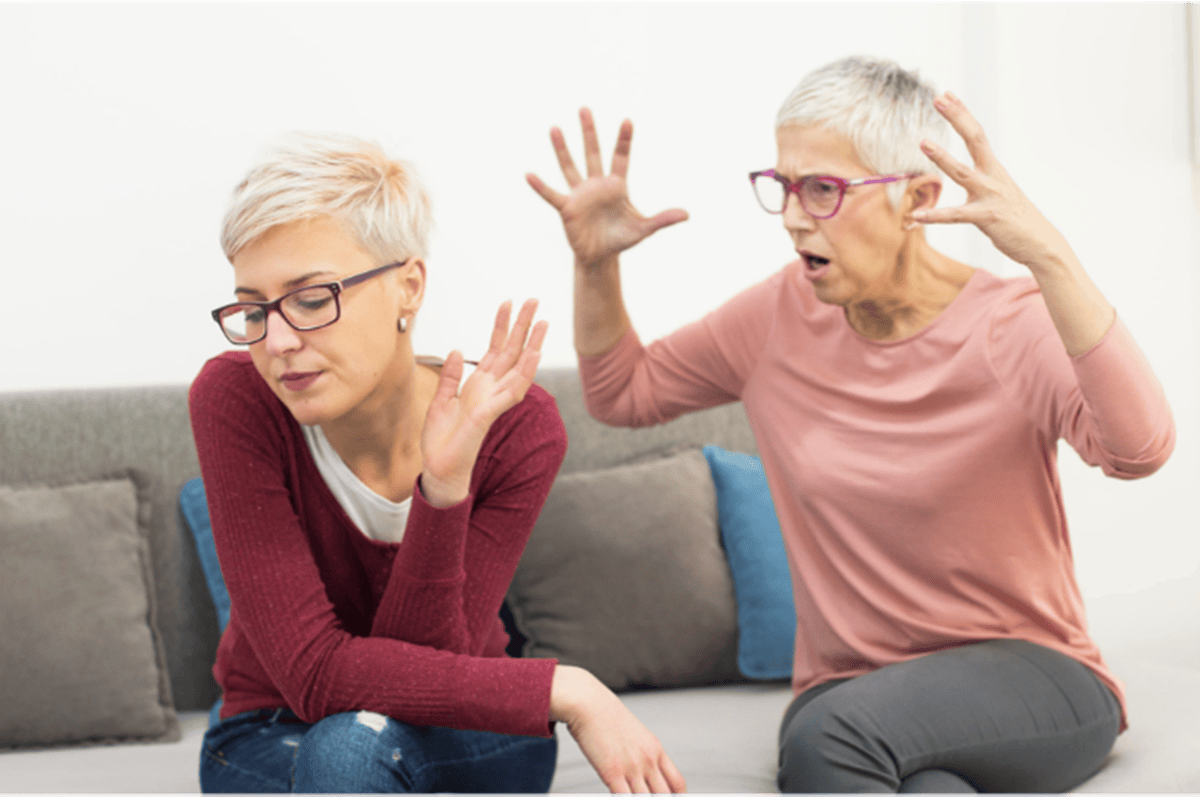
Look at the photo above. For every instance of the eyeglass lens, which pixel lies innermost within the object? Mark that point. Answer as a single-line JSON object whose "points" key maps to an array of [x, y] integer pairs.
{"points": [[305, 309], [818, 197]]}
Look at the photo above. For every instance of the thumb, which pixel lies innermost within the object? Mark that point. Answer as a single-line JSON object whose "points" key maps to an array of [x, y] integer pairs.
{"points": [[665, 219]]}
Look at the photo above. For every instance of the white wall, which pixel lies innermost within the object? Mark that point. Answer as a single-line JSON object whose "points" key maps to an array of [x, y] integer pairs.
{"points": [[125, 127]]}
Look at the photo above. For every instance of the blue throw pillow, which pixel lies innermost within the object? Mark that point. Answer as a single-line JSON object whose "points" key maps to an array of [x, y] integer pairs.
{"points": [[761, 581], [195, 511]]}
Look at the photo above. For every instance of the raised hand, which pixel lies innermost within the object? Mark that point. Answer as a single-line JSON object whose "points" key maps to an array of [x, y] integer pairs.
{"points": [[994, 204], [626, 756], [458, 420], [597, 215], [997, 207]]}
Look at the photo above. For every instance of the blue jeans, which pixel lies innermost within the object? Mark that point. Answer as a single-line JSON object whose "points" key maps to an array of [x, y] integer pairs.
{"points": [[273, 750]]}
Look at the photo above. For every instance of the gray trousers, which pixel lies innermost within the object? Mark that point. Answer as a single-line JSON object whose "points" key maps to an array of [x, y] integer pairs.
{"points": [[996, 716]]}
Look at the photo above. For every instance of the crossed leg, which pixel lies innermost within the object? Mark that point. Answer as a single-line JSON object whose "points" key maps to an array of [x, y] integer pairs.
{"points": [[997, 716]]}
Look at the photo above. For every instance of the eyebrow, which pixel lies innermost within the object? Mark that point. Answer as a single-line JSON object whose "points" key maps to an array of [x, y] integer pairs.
{"points": [[293, 283]]}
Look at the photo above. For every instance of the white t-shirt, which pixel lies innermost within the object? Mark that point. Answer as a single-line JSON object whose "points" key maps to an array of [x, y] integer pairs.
{"points": [[375, 515]]}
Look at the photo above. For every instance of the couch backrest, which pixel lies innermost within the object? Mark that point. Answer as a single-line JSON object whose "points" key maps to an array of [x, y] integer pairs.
{"points": [[594, 445], [68, 435]]}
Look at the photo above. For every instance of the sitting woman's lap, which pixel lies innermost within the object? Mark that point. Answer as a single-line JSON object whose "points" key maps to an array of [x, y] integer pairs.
{"points": [[363, 752], [996, 716]]}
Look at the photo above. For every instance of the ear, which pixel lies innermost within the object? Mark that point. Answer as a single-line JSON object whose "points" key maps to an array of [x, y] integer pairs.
{"points": [[923, 192], [412, 284]]}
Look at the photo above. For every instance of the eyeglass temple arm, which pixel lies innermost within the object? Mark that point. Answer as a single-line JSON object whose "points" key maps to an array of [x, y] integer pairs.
{"points": [[371, 273], [883, 179]]}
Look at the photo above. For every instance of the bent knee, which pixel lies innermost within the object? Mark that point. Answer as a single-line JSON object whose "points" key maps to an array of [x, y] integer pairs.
{"points": [[826, 748], [351, 752]]}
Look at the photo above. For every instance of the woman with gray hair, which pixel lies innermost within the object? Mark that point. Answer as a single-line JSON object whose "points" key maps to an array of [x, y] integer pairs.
{"points": [[906, 408], [369, 508]]}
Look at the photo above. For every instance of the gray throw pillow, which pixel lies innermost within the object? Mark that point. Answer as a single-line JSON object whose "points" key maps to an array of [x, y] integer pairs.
{"points": [[625, 576], [80, 659]]}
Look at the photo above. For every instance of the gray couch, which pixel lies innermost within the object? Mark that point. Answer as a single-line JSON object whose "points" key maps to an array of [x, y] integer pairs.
{"points": [[721, 736]]}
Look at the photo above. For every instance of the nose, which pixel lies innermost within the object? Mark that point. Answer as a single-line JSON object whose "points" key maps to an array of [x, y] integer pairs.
{"points": [[281, 338], [795, 218]]}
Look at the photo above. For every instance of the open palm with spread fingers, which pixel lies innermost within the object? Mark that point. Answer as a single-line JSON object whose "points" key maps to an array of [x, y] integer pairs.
{"points": [[994, 202], [459, 419], [597, 215]]}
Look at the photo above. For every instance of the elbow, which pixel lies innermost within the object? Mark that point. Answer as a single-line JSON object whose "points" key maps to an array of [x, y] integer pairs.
{"points": [[609, 413], [1148, 460], [310, 688]]}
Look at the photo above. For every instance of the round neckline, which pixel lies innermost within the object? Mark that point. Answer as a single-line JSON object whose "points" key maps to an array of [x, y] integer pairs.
{"points": [[933, 323]]}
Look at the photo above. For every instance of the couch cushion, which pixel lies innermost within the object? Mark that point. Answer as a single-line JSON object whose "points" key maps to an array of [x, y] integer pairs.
{"points": [[624, 575], [80, 656], [761, 581], [721, 738]]}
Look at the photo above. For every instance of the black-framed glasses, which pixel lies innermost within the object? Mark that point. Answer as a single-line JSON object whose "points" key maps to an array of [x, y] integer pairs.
{"points": [[820, 195], [305, 309]]}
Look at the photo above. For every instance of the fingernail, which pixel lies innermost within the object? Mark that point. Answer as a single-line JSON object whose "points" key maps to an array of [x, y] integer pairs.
{"points": [[926, 146]]}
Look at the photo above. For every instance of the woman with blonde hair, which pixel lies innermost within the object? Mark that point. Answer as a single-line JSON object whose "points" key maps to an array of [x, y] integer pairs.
{"points": [[907, 409], [369, 511]]}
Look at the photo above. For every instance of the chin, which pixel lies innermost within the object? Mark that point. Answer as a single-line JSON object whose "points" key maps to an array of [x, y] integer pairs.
{"points": [[307, 410], [829, 295]]}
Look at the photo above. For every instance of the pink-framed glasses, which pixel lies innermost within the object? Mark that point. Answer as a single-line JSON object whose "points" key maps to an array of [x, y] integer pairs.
{"points": [[820, 195]]}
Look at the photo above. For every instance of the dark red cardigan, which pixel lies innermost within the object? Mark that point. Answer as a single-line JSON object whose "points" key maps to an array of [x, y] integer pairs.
{"points": [[325, 620]]}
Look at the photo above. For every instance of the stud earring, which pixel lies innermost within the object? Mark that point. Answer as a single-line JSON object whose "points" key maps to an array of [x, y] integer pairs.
{"points": [[402, 325]]}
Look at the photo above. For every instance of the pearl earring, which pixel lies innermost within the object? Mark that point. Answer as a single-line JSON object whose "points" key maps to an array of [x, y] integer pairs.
{"points": [[402, 325]]}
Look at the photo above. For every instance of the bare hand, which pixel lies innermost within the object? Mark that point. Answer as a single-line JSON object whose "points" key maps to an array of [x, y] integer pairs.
{"points": [[626, 756], [994, 202], [597, 215], [458, 421]]}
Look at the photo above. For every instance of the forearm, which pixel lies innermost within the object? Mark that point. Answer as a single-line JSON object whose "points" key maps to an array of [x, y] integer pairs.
{"points": [[1080, 312], [600, 316]]}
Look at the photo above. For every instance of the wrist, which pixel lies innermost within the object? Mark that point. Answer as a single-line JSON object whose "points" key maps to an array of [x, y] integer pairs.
{"points": [[569, 692], [439, 493], [590, 266]]}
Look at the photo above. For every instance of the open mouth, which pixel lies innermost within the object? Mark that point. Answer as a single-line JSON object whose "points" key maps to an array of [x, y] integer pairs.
{"points": [[815, 262]]}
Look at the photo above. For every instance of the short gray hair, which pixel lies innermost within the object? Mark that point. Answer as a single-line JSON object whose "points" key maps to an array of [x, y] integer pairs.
{"points": [[307, 175], [882, 109]]}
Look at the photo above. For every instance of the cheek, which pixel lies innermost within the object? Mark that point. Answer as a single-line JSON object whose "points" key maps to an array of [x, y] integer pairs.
{"points": [[865, 242]]}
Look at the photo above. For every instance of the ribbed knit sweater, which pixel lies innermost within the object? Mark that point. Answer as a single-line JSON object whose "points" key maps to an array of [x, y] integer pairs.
{"points": [[915, 481], [325, 620]]}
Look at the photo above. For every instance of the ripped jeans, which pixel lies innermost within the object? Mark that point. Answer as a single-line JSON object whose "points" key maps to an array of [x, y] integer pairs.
{"points": [[273, 750]]}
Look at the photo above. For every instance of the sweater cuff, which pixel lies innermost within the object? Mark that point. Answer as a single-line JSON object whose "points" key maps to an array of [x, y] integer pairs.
{"points": [[517, 692], [435, 539]]}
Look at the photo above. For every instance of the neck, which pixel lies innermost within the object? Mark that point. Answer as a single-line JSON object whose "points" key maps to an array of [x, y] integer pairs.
{"points": [[381, 437], [911, 295]]}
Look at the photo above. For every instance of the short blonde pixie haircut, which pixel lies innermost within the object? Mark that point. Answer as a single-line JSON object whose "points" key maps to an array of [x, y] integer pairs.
{"points": [[884, 110], [305, 175]]}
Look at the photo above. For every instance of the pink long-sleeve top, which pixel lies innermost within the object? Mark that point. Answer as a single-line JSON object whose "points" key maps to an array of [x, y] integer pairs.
{"points": [[325, 620], [915, 481]]}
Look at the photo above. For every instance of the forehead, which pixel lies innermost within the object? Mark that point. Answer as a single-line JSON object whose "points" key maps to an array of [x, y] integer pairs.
{"points": [[815, 150], [315, 248]]}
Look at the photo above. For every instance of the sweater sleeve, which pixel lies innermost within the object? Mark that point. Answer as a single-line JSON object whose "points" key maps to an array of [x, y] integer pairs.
{"points": [[428, 597], [1107, 402], [283, 619], [701, 365]]}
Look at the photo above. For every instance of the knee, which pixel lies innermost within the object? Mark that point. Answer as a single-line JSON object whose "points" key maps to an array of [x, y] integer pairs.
{"points": [[352, 752], [828, 747]]}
